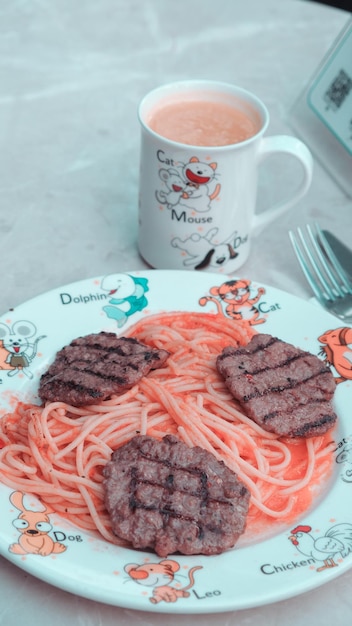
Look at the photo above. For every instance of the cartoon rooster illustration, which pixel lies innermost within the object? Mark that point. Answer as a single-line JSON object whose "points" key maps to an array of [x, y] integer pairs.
{"points": [[336, 541]]}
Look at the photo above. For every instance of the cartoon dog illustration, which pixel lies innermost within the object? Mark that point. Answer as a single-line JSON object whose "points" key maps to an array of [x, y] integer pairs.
{"points": [[337, 352], [20, 352], [175, 187], [128, 296], [161, 576], [236, 294], [34, 527], [203, 252], [197, 194]]}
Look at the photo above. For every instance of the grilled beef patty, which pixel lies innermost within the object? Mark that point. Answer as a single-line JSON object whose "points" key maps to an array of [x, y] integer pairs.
{"points": [[94, 367], [283, 389], [171, 498]]}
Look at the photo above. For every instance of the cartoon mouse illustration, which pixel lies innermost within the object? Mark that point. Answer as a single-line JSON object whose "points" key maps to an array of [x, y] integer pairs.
{"points": [[161, 576], [33, 527], [337, 351], [20, 352], [175, 187], [236, 294], [197, 194]]}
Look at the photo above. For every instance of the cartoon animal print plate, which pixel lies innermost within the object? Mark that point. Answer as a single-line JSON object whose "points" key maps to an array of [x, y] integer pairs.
{"points": [[289, 560]]}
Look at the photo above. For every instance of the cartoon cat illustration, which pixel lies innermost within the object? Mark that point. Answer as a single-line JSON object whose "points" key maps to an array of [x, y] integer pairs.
{"points": [[236, 294], [197, 194], [337, 351]]}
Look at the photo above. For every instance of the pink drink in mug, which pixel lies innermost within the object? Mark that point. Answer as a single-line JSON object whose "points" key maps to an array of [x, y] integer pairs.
{"points": [[202, 122], [202, 143]]}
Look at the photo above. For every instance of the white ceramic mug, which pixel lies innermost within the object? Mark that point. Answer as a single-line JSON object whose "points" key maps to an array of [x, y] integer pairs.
{"points": [[197, 202]]}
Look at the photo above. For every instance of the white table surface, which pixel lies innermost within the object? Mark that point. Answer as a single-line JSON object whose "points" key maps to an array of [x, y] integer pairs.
{"points": [[71, 76]]}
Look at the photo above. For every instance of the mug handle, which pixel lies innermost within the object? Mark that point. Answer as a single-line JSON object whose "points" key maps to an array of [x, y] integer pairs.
{"points": [[285, 144]]}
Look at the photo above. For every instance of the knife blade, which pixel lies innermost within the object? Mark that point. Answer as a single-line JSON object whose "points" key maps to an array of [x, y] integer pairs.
{"points": [[342, 253]]}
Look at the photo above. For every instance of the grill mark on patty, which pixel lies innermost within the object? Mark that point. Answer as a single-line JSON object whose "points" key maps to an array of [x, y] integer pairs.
{"points": [[98, 366], [202, 493], [292, 384], [71, 385], [103, 349], [94, 342], [312, 402], [73, 364], [246, 352], [328, 419], [325, 420], [81, 388], [259, 370], [91, 372], [171, 498], [165, 510], [147, 356], [284, 389]]}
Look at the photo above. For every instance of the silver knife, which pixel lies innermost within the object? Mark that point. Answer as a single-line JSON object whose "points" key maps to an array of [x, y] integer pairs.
{"points": [[341, 252]]}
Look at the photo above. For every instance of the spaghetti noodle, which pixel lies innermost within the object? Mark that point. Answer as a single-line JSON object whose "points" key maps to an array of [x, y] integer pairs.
{"points": [[58, 452]]}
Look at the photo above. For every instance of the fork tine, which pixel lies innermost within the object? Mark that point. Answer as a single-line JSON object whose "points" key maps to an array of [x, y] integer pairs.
{"points": [[333, 261], [304, 266], [322, 268], [320, 273]]}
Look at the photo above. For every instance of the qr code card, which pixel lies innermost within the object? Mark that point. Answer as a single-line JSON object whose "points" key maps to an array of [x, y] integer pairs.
{"points": [[330, 96]]}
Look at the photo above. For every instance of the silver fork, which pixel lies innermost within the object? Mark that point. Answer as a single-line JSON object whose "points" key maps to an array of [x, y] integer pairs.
{"points": [[329, 282]]}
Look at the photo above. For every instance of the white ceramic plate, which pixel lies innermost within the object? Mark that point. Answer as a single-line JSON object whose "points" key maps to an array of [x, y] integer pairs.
{"points": [[258, 574]]}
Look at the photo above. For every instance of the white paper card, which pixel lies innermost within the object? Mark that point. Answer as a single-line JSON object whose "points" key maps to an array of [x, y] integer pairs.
{"points": [[322, 114], [331, 93]]}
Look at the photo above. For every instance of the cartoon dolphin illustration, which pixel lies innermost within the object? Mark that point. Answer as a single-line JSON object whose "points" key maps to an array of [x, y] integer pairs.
{"points": [[128, 296]]}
